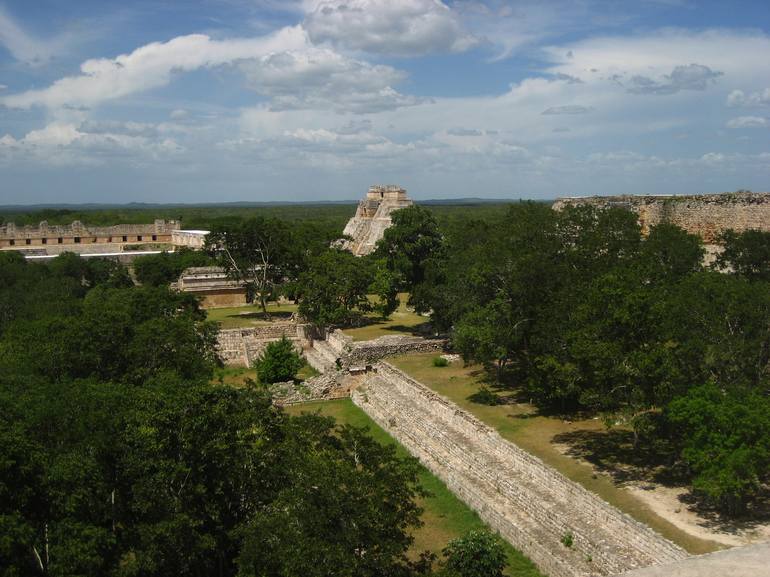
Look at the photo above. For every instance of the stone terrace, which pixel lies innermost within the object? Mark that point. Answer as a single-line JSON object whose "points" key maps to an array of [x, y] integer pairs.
{"points": [[533, 506]]}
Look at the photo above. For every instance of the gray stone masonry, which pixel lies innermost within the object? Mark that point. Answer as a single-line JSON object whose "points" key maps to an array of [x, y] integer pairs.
{"points": [[532, 506]]}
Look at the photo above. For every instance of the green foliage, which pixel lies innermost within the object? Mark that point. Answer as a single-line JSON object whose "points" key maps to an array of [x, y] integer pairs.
{"points": [[279, 362], [582, 312], [409, 244], [725, 439], [476, 554], [334, 289], [746, 253], [440, 362], [164, 268], [567, 540]]}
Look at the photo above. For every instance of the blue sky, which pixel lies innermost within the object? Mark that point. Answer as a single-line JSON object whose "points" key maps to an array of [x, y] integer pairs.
{"points": [[227, 100]]}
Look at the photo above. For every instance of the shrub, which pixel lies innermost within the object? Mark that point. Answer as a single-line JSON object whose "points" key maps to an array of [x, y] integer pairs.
{"points": [[279, 362], [484, 397], [567, 540], [476, 554], [440, 362]]}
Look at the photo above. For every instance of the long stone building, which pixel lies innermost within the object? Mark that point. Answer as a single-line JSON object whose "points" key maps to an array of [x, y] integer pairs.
{"points": [[373, 216], [707, 215], [77, 237]]}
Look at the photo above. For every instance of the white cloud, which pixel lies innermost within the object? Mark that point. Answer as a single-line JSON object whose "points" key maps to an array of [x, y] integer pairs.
{"points": [[66, 144], [392, 27], [178, 114], [21, 45], [320, 78], [758, 99], [688, 77], [748, 122], [151, 66]]}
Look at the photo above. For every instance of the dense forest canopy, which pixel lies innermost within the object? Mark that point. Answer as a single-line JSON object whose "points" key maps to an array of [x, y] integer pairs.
{"points": [[119, 456], [580, 312]]}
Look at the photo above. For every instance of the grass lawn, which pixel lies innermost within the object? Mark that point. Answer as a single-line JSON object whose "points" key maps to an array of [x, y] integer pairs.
{"points": [[402, 321], [445, 516], [522, 424], [250, 315]]}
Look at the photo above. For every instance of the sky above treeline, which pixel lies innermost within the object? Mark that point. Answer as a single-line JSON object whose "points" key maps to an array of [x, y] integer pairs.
{"points": [[261, 100]]}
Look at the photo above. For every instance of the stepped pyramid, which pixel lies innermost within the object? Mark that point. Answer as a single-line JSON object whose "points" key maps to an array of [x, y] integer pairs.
{"points": [[373, 216]]}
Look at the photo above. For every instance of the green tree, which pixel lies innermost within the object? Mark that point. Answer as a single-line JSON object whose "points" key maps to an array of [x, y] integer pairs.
{"points": [[334, 290], [164, 268], [259, 251], [725, 440], [408, 245], [278, 362], [746, 253], [476, 554], [346, 506]]}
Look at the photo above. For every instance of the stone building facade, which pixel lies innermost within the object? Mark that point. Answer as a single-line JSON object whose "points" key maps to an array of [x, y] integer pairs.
{"points": [[707, 215], [77, 237], [212, 284], [373, 216]]}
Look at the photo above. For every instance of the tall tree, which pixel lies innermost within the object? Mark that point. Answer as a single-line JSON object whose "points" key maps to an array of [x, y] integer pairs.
{"points": [[258, 251]]}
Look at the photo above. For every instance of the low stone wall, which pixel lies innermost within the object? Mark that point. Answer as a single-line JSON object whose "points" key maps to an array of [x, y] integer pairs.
{"points": [[241, 347], [361, 353], [533, 506], [325, 387]]}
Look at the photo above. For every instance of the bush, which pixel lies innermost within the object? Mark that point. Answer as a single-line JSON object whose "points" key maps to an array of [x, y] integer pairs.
{"points": [[279, 362], [476, 554], [567, 540], [440, 362], [485, 397]]}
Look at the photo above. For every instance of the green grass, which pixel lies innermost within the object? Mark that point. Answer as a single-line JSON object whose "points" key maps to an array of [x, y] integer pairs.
{"points": [[445, 517], [402, 321], [250, 315], [521, 424]]}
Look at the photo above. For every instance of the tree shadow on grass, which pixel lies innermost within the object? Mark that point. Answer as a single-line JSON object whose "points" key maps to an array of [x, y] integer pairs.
{"points": [[614, 452], [260, 316]]}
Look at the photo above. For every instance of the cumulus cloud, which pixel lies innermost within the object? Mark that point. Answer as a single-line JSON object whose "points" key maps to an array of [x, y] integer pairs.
{"points": [[390, 27], [151, 66], [63, 143], [757, 99], [748, 122], [688, 77], [569, 109], [322, 78]]}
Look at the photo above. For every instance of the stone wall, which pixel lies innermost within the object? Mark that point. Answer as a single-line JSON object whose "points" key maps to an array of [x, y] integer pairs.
{"points": [[706, 215], [335, 384], [358, 354], [240, 347], [533, 506]]}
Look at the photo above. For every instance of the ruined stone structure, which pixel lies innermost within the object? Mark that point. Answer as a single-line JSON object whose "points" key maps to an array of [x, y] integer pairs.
{"points": [[194, 239], [373, 216], [212, 284], [707, 215], [533, 506], [77, 237], [241, 347]]}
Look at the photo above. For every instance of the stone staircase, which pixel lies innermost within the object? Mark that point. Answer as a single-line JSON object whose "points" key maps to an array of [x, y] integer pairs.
{"points": [[534, 507], [321, 356]]}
